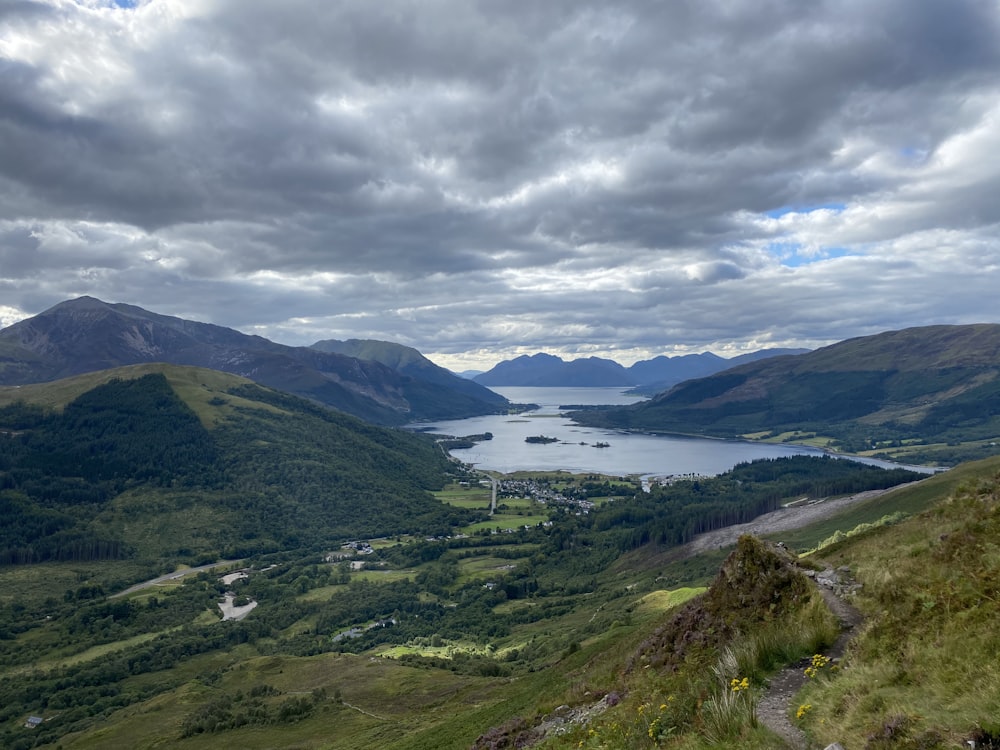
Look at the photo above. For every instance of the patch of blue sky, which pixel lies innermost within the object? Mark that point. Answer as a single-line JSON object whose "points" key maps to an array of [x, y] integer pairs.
{"points": [[775, 213], [121, 4], [790, 254], [912, 153]]}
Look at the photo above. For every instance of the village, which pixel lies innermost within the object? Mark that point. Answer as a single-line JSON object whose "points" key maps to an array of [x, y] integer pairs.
{"points": [[542, 492]]}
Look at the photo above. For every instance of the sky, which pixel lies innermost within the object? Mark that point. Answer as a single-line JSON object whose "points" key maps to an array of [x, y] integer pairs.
{"points": [[481, 180]]}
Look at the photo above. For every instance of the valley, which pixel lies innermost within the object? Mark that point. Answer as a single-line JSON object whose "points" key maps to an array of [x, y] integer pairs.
{"points": [[191, 559], [492, 613], [924, 395]]}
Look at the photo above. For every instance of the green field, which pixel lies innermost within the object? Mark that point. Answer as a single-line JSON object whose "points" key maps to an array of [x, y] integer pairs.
{"points": [[503, 522], [472, 497]]}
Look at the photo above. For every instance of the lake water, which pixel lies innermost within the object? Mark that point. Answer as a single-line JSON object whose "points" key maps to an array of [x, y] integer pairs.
{"points": [[627, 453]]}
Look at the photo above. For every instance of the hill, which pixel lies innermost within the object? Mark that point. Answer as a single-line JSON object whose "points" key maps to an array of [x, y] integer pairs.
{"points": [[86, 335], [897, 392], [166, 462], [410, 362], [646, 376]]}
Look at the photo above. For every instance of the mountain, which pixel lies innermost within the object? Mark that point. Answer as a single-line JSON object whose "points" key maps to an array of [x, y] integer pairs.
{"points": [[743, 359], [661, 373], [165, 461], [86, 334], [664, 369], [410, 362], [542, 370], [647, 376], [937, 383]]}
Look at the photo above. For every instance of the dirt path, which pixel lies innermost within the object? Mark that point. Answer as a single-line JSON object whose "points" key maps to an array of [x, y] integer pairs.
{"points": [[772, 711], [361, 710]]}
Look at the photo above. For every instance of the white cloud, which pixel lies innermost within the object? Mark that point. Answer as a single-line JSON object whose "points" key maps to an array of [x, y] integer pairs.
{"points": [[478, 180]]}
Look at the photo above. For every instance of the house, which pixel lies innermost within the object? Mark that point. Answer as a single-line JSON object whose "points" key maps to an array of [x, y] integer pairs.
{"points": [[33, 721]]}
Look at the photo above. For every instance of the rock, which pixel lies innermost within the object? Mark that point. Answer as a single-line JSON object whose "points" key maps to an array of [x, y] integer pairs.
{"points": [[839, 581], [828, 578]]}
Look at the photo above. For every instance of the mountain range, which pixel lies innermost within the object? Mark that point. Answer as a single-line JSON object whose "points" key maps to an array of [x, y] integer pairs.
{"points": [[647, 376], [386, 384], [928, 384]]}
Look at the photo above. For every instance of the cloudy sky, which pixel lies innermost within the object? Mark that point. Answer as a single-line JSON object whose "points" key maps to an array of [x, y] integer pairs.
{"points": [[485, 179]]}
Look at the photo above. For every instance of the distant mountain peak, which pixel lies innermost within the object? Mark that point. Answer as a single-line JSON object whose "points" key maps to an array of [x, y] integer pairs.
{"points": [[652, 375], [549, 370]]}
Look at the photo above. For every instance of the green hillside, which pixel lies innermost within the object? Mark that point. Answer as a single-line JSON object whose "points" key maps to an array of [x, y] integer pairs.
{"points": [[156, 462], [923, 672], [920, 672], [922, 395]]}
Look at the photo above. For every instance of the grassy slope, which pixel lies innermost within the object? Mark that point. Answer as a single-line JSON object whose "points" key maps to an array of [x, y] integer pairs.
{"points": [[923, 674], [910, 500], [924, 669], [195, 385]]}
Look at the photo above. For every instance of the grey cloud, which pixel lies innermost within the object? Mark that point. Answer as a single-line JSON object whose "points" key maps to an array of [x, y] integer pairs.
{"points": [[414, 170]]}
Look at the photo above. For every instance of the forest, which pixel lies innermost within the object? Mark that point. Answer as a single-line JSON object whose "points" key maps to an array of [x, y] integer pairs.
{"points": [[278, 473]]}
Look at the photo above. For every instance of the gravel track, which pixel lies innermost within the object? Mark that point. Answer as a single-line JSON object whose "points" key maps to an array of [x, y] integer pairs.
{"points": [[783, 519]]}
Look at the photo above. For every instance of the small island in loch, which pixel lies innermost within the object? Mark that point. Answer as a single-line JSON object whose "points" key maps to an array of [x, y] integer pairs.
{"points": [[540, 439]]}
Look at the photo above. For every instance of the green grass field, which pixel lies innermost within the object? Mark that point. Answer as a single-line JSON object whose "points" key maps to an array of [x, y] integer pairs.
{"points": [[924, 669], [504, 522]]}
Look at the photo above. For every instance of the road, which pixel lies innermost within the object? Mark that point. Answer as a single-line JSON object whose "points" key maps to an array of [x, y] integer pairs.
{"points": [[176, 575]]}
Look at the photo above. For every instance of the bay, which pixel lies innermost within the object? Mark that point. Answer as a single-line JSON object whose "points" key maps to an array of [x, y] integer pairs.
{"points": [[574, 449]]}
